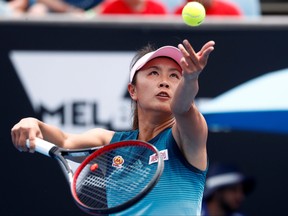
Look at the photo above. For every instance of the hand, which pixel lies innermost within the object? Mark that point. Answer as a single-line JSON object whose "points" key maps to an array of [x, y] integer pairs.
{"points": [[193, 63], [27, 128]]}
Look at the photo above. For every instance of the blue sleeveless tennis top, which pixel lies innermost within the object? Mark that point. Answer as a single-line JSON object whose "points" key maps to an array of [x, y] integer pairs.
{"points": [[180, 188]]}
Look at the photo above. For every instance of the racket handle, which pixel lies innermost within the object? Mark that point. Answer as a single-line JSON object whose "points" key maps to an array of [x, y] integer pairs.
{"points": [[41, 146]]}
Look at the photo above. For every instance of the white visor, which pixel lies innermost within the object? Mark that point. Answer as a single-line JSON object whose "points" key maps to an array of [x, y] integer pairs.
{"points": [[165, 51]]}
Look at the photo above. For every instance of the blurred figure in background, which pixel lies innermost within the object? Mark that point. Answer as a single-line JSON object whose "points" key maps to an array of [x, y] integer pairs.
{"points": [[20, 7], [171, 5], [11, 8], [249, 8], [215, 8], [126, 7], [68, 6], [225, 190]]}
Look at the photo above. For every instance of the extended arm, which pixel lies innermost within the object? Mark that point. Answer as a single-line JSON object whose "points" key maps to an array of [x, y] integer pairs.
{"points": [[30, 128], [190, 130]]}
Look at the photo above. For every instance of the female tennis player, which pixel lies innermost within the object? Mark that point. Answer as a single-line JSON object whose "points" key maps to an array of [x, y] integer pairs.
{"points": [[163, 85]]}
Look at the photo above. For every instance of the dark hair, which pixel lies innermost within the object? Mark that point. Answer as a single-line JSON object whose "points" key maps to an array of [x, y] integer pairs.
{"points": [[140, 53]]}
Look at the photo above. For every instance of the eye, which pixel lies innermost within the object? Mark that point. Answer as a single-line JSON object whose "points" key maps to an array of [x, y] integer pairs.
{"points": [[175, 75], [154, 73]]}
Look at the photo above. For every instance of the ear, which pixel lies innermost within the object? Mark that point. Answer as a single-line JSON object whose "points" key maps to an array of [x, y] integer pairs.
{"points": [[132, 91]]}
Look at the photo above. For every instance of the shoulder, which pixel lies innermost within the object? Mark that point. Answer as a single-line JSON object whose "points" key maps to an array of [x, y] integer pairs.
{"points": [[124, 135]]}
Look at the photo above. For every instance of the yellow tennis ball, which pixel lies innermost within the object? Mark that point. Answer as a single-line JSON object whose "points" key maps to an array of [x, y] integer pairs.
{"points": [[193, 13]]}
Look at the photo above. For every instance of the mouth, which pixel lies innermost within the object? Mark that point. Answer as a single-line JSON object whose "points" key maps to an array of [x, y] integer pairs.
{"points": [[163, 94]]}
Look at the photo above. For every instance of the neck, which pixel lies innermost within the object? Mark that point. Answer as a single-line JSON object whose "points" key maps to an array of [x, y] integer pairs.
{"points": [[150, 129]]}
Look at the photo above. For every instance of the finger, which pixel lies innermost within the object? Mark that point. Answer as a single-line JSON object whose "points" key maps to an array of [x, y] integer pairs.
{"points": [[190, 54], [22, 140], [186, 62], [32, 140], [15, 134], [204, 58], [188, 47], [208, 45]]}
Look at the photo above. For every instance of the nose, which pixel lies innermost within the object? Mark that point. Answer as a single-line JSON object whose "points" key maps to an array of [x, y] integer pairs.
{"points": [[163, 84]]}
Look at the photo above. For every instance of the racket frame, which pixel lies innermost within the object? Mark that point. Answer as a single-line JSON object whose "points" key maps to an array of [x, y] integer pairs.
{"points": [[129, 203], [51, 150]]}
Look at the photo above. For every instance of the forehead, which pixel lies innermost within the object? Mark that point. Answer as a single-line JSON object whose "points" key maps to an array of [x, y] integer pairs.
{"points": [[162, 61]]}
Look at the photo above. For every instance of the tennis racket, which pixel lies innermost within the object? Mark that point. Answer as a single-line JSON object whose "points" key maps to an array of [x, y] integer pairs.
{"points": [[108, 179]]}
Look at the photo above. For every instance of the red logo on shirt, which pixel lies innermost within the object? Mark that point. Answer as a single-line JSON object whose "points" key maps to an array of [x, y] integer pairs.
{"points": [[163, 154]]}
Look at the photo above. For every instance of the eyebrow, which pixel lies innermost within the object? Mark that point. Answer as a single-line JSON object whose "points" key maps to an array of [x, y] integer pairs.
{"points": [[158, 68]]}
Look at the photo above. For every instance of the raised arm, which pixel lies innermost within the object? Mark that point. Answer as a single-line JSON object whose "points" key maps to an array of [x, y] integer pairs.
{"points": [[190, 130]]}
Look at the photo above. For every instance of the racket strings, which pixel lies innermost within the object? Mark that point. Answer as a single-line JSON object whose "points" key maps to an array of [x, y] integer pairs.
{"points": [[89, 196], [91, 185], [121, 174]]}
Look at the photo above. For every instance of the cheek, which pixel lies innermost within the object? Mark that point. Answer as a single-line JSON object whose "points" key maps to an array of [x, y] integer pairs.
{"points": [[144, 85], [143, 91]]}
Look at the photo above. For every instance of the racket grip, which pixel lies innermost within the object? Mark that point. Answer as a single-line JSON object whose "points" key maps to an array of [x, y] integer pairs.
{"points": [[41, 146]]}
